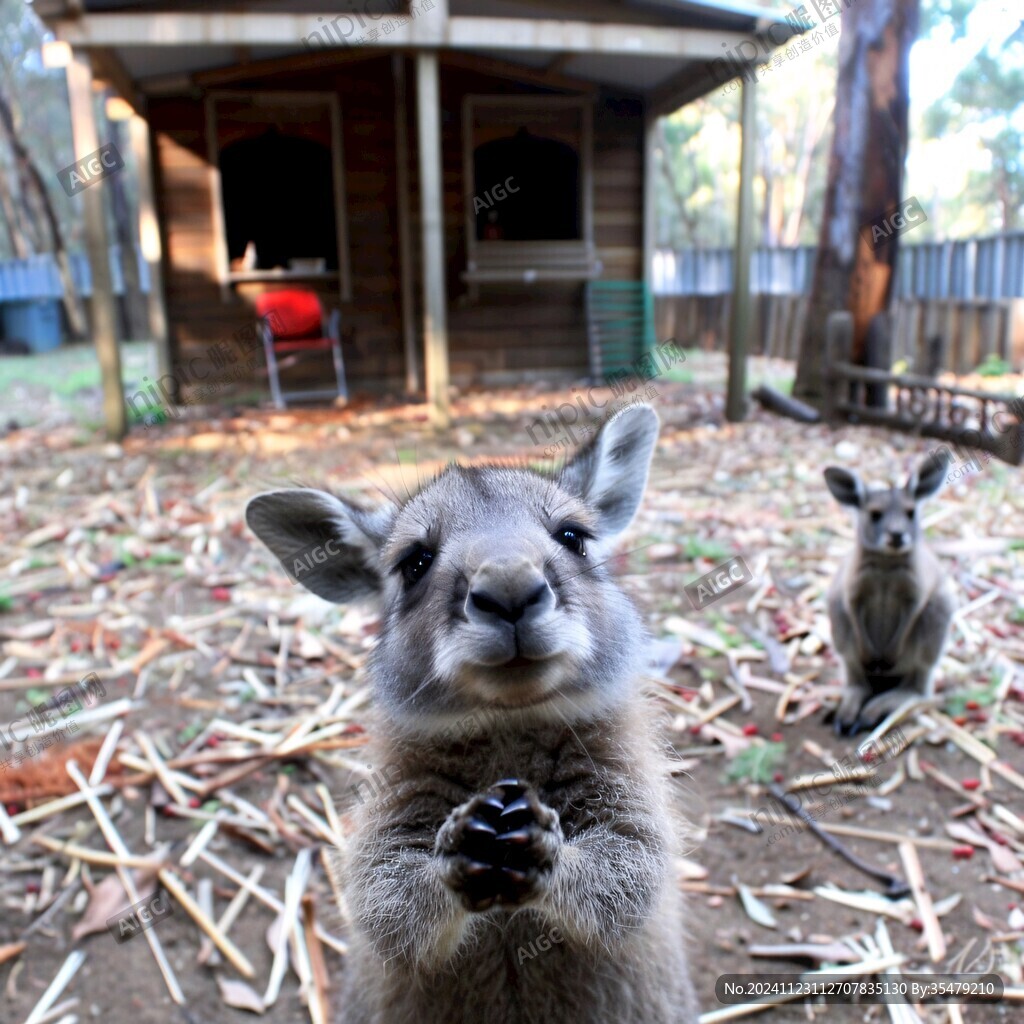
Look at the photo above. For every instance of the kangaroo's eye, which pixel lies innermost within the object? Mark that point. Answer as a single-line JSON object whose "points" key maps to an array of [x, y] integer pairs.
{"points": [[415, 564], [910, 513], [876, 516], [572, 537]]}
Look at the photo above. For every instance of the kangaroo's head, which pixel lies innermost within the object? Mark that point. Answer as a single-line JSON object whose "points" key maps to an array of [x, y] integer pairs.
{"points": [[887, 519], [492, 579]]}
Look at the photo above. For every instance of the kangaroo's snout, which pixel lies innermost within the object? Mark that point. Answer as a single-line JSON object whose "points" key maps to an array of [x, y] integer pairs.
{"points": [[899, 539], [508, 590]]}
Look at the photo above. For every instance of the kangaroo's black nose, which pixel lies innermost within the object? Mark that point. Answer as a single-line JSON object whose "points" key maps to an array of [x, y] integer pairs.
{"points": [[898, 539], [510, 608]]}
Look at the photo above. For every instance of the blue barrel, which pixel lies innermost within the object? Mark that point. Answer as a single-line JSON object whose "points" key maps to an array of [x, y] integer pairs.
{"points": [[34, 321]]}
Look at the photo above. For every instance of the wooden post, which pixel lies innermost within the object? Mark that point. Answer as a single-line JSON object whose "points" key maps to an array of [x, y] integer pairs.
{"points": [[838, 347], [405, 267], [740, 318], [435, 298], [151, 245], [104, 311], [878, 353], [650, 210]]}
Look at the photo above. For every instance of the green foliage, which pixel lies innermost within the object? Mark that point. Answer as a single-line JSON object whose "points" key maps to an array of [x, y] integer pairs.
{"points": [[984, 107], [758, 763], [697, 547], [984, 696], [190, 732], [993, 366]]}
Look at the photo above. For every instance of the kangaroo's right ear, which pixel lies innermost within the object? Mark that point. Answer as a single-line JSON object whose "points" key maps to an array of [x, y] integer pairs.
{"points": [[845, 486], [929, 476], [328, 545]]}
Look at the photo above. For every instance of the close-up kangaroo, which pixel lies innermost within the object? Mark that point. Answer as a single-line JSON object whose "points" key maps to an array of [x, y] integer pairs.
{"points": [[549, 815], [891, 603]]}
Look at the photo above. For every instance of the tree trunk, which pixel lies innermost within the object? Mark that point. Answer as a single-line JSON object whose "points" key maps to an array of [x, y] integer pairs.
{"points": [[33, 184], [853, 271], [136, 312]]}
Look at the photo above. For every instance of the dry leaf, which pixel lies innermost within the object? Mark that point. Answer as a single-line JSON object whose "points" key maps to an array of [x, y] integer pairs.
{"points": [[757, 911], [11, 950], [107, 899], [240, 995]]}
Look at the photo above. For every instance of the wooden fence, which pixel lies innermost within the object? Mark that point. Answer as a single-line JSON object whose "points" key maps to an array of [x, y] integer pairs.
{"points": [[963, 300]]}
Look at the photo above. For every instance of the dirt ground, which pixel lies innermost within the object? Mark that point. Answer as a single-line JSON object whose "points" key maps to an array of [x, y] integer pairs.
{"points": [[133, 560]]}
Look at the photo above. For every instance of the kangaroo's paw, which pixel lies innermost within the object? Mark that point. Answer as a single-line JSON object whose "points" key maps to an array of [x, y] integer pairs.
{"points": [[882, 706], [499, 846], [846, 720]]}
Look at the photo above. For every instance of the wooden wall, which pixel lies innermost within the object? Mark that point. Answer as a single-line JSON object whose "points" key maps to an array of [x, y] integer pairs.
{"points": [[503, 332]]}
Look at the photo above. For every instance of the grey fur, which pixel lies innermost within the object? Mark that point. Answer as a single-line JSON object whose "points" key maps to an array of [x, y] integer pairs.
{"points": [[890, 603], [459, 709]]}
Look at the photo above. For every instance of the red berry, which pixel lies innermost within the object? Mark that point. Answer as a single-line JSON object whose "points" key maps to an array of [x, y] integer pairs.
{"points": [[960, 719], [778, 777], [114, 643], [220, 594], [34, 673], [13, 809], [213, 741], [76, 645], [750, 729], [776, 737], [195, 803], [971, 783], [917, 924], [963, 852], [32, 887], [1018, 738], [695, 730], [972, 705]]}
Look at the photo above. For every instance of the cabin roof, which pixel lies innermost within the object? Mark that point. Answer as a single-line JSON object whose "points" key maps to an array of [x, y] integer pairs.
{"points": [[667, 51]]}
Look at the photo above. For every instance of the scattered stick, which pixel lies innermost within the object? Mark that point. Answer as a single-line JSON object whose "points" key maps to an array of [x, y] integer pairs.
{"points": [[117, 845], [174, 886], [932, 929], [68, 970], [894, 887]]}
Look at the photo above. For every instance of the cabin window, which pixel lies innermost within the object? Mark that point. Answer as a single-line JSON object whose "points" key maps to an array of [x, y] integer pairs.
{"points": [[527, 167], [279, 206]]}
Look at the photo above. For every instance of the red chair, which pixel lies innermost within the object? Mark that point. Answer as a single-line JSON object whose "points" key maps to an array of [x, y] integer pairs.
{"points": [[291, 322]]}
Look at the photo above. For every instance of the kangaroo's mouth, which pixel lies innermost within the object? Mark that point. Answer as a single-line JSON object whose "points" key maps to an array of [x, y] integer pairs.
{"points": [[519, 661]]}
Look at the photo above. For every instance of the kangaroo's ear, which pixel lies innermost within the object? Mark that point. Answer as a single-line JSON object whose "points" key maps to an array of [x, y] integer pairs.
{"points": [[330, 546], [929, 476], [610, 472], [846, 486]]}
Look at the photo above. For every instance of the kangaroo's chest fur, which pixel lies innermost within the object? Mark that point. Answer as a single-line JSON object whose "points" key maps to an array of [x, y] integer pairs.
{"points": [[884, 603], [605, 778]]}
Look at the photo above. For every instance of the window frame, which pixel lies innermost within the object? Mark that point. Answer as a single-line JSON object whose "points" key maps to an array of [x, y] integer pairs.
{"points": [[583, 264], [227, 277]]}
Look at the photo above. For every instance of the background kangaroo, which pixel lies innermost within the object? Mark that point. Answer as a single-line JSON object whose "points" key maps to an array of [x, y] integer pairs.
{"points": [[528, 805], [890, 603]]}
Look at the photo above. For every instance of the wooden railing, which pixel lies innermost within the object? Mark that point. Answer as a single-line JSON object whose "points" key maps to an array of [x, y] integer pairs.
{"points": [[965, 417]]}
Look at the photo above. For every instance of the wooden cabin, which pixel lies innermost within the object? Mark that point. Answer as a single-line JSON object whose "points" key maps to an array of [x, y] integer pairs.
{"points": [[448, 173]]}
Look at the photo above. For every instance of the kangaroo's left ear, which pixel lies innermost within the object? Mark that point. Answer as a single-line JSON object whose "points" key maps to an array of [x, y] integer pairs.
{"points": [[610, 472], [929, 476]]}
